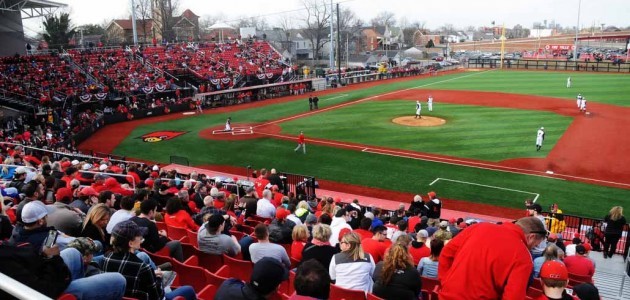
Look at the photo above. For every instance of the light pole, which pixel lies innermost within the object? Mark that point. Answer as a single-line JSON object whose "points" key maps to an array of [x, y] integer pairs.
{"points": [[577, 30], [133, 23]]}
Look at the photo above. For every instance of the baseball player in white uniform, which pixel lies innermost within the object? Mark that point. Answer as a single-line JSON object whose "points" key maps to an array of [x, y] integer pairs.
{"points": [[578, 100], [583, 104], [540, 136], [430, 103], [228, 124], [418, 110], [569, 82]]}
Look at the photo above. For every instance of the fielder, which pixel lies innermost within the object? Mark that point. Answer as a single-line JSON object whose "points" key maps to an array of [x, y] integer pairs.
{"points": [[579, 100], [540, 137], [418, 110], [301, 143], [569, 82], [228, 124], [430, 103], [583, 105]]}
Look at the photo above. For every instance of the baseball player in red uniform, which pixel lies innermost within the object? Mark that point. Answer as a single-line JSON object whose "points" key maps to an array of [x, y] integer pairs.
{"points": [[301, 143]]}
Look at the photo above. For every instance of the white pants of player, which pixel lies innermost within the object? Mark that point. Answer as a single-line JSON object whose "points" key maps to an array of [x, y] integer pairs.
{"points": [[568, 84], [539, 141], [228, 127], [303, 146], [430, 105], [578, 103], [418, 112], [583, 105]]}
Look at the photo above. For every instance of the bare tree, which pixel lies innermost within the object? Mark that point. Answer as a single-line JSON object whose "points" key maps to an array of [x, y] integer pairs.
{"points": [[143, 10], [384, 18], [285, 23], [316, 21], [259, 23], [350, 27]]}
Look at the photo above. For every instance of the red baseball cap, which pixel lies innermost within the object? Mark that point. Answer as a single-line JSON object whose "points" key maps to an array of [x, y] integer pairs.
{"points": [[88, 191], [282, 214], [554, 270], [63, 193], [343, 232], [431, 194]]}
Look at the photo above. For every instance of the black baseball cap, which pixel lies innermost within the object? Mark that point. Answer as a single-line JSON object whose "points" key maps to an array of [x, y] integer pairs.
{"points": [[128, 230]]}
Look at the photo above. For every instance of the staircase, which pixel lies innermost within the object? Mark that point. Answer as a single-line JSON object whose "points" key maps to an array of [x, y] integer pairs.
{"points": [[75, 66], [12, 100]]}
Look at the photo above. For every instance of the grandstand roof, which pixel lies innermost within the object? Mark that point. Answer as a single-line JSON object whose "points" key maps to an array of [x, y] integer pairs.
{"points": [[31, 8]]}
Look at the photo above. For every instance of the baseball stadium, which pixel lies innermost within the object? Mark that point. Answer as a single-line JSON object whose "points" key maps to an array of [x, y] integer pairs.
{"points": [[144, 143]]}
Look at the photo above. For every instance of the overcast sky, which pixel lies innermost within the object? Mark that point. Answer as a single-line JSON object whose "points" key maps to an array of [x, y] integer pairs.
{"points": [[433, 13]]}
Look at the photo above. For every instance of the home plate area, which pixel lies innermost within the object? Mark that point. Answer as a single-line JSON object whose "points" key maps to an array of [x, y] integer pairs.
{"points": [[235, 131]]}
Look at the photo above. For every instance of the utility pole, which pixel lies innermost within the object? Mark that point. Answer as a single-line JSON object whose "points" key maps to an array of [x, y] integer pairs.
{"points": [[331, 60], [133, 23], [338, 48], [577, 30]]}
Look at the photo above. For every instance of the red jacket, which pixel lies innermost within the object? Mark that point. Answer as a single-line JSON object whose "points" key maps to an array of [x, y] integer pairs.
{"points": [[485, 261], [580, 265], [376, 248]]}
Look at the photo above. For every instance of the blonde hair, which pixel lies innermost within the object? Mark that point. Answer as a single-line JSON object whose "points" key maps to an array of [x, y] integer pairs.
{"points": [[300, 233], [354, 242], [398, 258], [97, 213], [302, 204], [322, 232], [616, 213], [230, 202]]}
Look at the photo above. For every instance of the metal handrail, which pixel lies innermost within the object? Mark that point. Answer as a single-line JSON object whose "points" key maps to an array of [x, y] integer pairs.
{"points": [[19, 290], [85, 156]]}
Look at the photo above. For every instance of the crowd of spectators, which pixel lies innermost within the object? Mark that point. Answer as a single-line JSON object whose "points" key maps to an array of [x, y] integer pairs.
{"points": [[390, 254]]}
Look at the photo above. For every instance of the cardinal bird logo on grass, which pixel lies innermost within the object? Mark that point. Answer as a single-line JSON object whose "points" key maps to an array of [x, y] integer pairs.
{"points": [[158, 136]]}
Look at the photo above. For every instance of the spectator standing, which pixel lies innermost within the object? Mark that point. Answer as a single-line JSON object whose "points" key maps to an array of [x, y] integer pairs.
{"points": [[434, 209], [396, 277], [352, 268], [614, 227], [248, 202], [339, 222], [496, 255]]}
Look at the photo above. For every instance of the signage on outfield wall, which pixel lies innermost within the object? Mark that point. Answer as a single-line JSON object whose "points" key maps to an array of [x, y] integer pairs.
{"points": [[560, 47]]}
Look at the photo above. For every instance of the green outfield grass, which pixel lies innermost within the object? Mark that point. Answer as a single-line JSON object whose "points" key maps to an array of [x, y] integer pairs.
{"points": [[485, 133], [597, 87], [388, 172]]}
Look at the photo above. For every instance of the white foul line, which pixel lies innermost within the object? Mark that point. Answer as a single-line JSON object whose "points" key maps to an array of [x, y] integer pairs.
{"points": [[364, 99], [488, 186]]}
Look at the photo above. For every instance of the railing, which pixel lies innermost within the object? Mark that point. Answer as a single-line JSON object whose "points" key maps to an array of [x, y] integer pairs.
{"points": [[585, 228], [55, 155], [180, 160], [549, 65], [299, 185], [19, 290]]}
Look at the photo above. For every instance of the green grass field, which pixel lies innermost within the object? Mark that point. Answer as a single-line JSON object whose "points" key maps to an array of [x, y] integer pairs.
{"points": [[485, 133], [404, 174]]}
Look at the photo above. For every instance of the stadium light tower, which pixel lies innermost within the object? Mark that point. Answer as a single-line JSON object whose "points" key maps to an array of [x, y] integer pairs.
{"points": [[577, 30]]}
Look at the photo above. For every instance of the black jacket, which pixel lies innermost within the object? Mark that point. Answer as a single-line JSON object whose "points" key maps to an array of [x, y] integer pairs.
{"points": [[50, 277]]}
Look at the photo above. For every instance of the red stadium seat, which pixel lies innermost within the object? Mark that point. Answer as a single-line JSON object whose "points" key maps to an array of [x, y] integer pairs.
{"points": [[209, 262], [208, 292], [428, 284], [241, 269], [219, 277], [534, 293], [192, 238], [189, 275], [337, 292], [371, 296], [176, 233], [67, 297], [580, 278]]}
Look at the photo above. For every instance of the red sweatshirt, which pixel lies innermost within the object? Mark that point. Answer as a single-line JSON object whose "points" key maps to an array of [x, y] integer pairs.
{"points": [[485, 261]]}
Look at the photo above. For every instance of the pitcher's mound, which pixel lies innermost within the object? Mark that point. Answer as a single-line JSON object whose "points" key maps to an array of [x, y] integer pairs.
{"points": [[424, 122]]}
